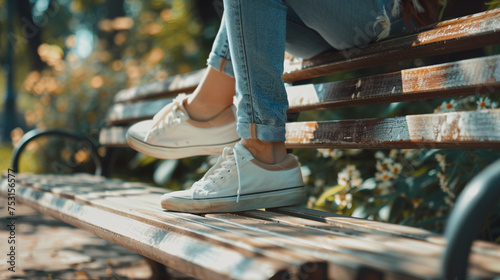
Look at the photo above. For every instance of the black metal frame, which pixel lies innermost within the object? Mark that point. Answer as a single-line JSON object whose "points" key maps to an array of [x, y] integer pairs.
{"points": [[101, 169], [477, 199]]}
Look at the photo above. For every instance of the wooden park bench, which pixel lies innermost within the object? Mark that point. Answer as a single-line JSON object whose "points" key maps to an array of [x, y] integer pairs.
{"points": [[295, 242]]}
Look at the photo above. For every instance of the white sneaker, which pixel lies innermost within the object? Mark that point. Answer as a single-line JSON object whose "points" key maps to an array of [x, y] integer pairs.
{"points": [[171, 134], [239, 182]]}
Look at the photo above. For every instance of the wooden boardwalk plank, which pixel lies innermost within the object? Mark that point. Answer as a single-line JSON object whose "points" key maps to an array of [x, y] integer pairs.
{"points": [[469, 32]]}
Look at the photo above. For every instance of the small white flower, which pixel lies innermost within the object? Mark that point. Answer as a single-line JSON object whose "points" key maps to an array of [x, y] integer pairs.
{"points": [[441, 159], [379, 166], [344, 200], [356, 182], [323, 153], [336, 153], [396, 168], [485, 103], [393, 153], [349, 177], [319, 183], [343, 179], [449, 107], [350, 169], [379, 155], [388, 161], [383, 176]]}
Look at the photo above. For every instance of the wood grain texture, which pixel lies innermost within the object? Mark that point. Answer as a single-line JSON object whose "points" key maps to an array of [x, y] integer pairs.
{"points": [[469, 32], [122, 113], [472, 76], [196, 256], [114, 136], [476, 129], [247, 245], [170, 87]]}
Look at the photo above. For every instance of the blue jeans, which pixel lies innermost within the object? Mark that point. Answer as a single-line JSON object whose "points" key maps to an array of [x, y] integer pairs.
{"points": [[252, 39]]}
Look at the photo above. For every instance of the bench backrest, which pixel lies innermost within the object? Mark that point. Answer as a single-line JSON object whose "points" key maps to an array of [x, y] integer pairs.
{"points": [[474, 129]]}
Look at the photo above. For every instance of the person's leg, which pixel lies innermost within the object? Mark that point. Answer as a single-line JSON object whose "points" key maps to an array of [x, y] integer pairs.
{"points": [[256, 33], [203, 123], [216, 90], [215, 93], [257, 172]]}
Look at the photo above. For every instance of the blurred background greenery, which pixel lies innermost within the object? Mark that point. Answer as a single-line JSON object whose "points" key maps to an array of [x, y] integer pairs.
{"points": [[72, 56]]}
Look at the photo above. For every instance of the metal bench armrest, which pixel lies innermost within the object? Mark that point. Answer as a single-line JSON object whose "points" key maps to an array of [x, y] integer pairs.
{"points": [[477, 199], [34, 134]]}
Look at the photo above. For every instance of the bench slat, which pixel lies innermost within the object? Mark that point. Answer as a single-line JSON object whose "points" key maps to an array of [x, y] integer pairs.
{"points": [[466, 33], [122, 219], [477, 75], [475, 129], [450, 36], [363, 225], [171, 86], [327, 244], [122, 113]]}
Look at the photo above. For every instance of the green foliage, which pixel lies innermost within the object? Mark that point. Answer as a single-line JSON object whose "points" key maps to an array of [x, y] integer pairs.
{"points": [[148, 42], [493, 4]]}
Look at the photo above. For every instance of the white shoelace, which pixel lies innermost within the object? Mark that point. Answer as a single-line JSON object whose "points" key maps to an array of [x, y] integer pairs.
{"points": [[163, 118], [225, 164]]}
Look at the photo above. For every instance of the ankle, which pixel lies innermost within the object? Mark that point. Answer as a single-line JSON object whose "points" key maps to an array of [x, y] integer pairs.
{"points": [[267, 152], [202, 111]]}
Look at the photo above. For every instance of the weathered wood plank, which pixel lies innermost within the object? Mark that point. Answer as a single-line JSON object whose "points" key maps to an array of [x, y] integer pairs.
{"points": [[122, 113], [171, 86], [472, 76], [475, 129], [268, 242], [329, 244], [456, 35], [477, 76], [195, 256], [360, 225], [368, 226], [114, 136]]}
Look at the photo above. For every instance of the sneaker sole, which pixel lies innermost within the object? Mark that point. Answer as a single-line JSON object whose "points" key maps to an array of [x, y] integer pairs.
{"points": [[273, 199], [162, 152]]}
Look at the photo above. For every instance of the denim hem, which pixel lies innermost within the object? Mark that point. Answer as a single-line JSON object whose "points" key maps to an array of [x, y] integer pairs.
{"points": [[221, 64], [268, 133]]}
